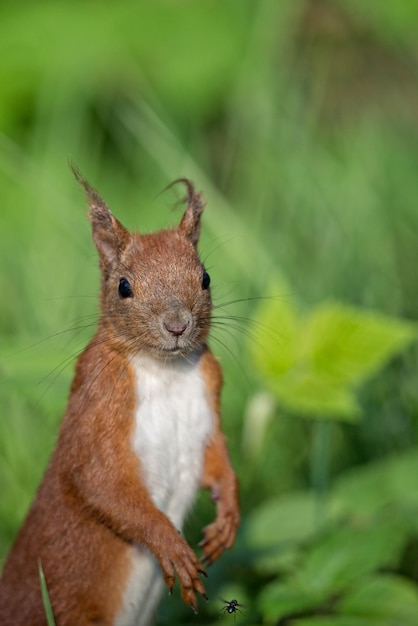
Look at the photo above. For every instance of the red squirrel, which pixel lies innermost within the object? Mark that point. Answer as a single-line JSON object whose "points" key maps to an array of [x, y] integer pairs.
{"points": [[140, 435]]}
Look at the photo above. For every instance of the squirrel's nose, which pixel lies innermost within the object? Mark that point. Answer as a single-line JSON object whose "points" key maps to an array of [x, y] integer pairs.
{"points": [[176, 329], [176, 321]]}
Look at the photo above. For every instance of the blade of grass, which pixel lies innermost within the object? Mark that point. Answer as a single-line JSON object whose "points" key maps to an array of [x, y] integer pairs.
{"points": [[45, 596]]}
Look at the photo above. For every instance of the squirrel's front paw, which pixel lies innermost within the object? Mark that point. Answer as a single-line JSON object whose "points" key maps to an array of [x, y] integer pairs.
{"points": [[183, 560], [219, 536]]}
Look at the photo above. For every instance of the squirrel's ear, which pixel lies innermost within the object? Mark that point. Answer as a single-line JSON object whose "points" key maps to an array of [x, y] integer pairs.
{"points": [[190, 222], [109, 236]]}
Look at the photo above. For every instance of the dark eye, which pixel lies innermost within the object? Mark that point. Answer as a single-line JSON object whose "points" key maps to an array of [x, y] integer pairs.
{"points": [[125, 289], [205, 280]]}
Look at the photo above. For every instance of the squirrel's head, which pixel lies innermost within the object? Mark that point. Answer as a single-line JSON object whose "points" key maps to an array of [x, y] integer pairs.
{"points": [[155, 290]]}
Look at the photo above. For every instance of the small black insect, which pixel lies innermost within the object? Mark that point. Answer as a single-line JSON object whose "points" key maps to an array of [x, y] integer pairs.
{"points": [[232, 606]]}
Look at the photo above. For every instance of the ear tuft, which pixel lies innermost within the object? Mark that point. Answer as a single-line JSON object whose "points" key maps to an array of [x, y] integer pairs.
{"points": [[109, 236], [190, 222], [93, 197]]}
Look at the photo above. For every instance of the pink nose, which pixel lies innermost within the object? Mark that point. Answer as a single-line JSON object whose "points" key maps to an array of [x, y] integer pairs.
{"points": [[176, 321], [176, 329]]}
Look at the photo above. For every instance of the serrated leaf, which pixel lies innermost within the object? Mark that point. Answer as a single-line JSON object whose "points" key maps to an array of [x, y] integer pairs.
{"points": [[315, 364], [348, 345]]}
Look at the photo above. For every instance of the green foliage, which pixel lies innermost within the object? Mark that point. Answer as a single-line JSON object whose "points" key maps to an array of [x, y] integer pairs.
{"points": [[390, 483], [347, 554], [345, 568], [314, 364]]}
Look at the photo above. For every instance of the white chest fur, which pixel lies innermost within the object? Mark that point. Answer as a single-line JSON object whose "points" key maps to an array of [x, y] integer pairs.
{"points": [[173, 423]]}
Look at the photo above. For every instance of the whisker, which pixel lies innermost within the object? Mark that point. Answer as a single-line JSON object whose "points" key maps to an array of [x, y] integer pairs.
{"points": [[51, 336], [251, 324], [81, 297], [220, 305], [220, 241], [228, 350]]}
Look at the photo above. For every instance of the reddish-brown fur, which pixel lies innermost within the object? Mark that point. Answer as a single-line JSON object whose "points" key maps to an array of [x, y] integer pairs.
{"points": [[92, 504]]}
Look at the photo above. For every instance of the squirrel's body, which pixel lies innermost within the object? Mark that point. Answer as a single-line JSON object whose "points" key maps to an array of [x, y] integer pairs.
{"points": [[141, 433]]}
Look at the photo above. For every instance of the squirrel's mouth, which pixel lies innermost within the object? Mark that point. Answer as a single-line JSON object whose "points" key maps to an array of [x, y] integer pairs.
{"points": [[181, 349], [178, 347]]}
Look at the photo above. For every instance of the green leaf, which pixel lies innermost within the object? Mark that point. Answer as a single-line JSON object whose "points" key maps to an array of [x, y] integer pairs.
{"points": [[365, 491], [314, 365], [348, 554], [289, 518], [278, 600], [347, 345], [386, 596], [277, 528], [313, 396]]}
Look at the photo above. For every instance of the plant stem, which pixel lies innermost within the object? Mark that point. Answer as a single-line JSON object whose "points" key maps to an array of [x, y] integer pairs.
{"points": [[320, 466]]}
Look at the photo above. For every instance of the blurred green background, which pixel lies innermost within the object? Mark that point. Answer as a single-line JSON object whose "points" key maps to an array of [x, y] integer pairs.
{"points": [[298, 121]]}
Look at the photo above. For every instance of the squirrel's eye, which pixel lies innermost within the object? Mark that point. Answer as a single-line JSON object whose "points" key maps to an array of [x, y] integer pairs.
{"points": [[125, 289], [205, 280]]}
